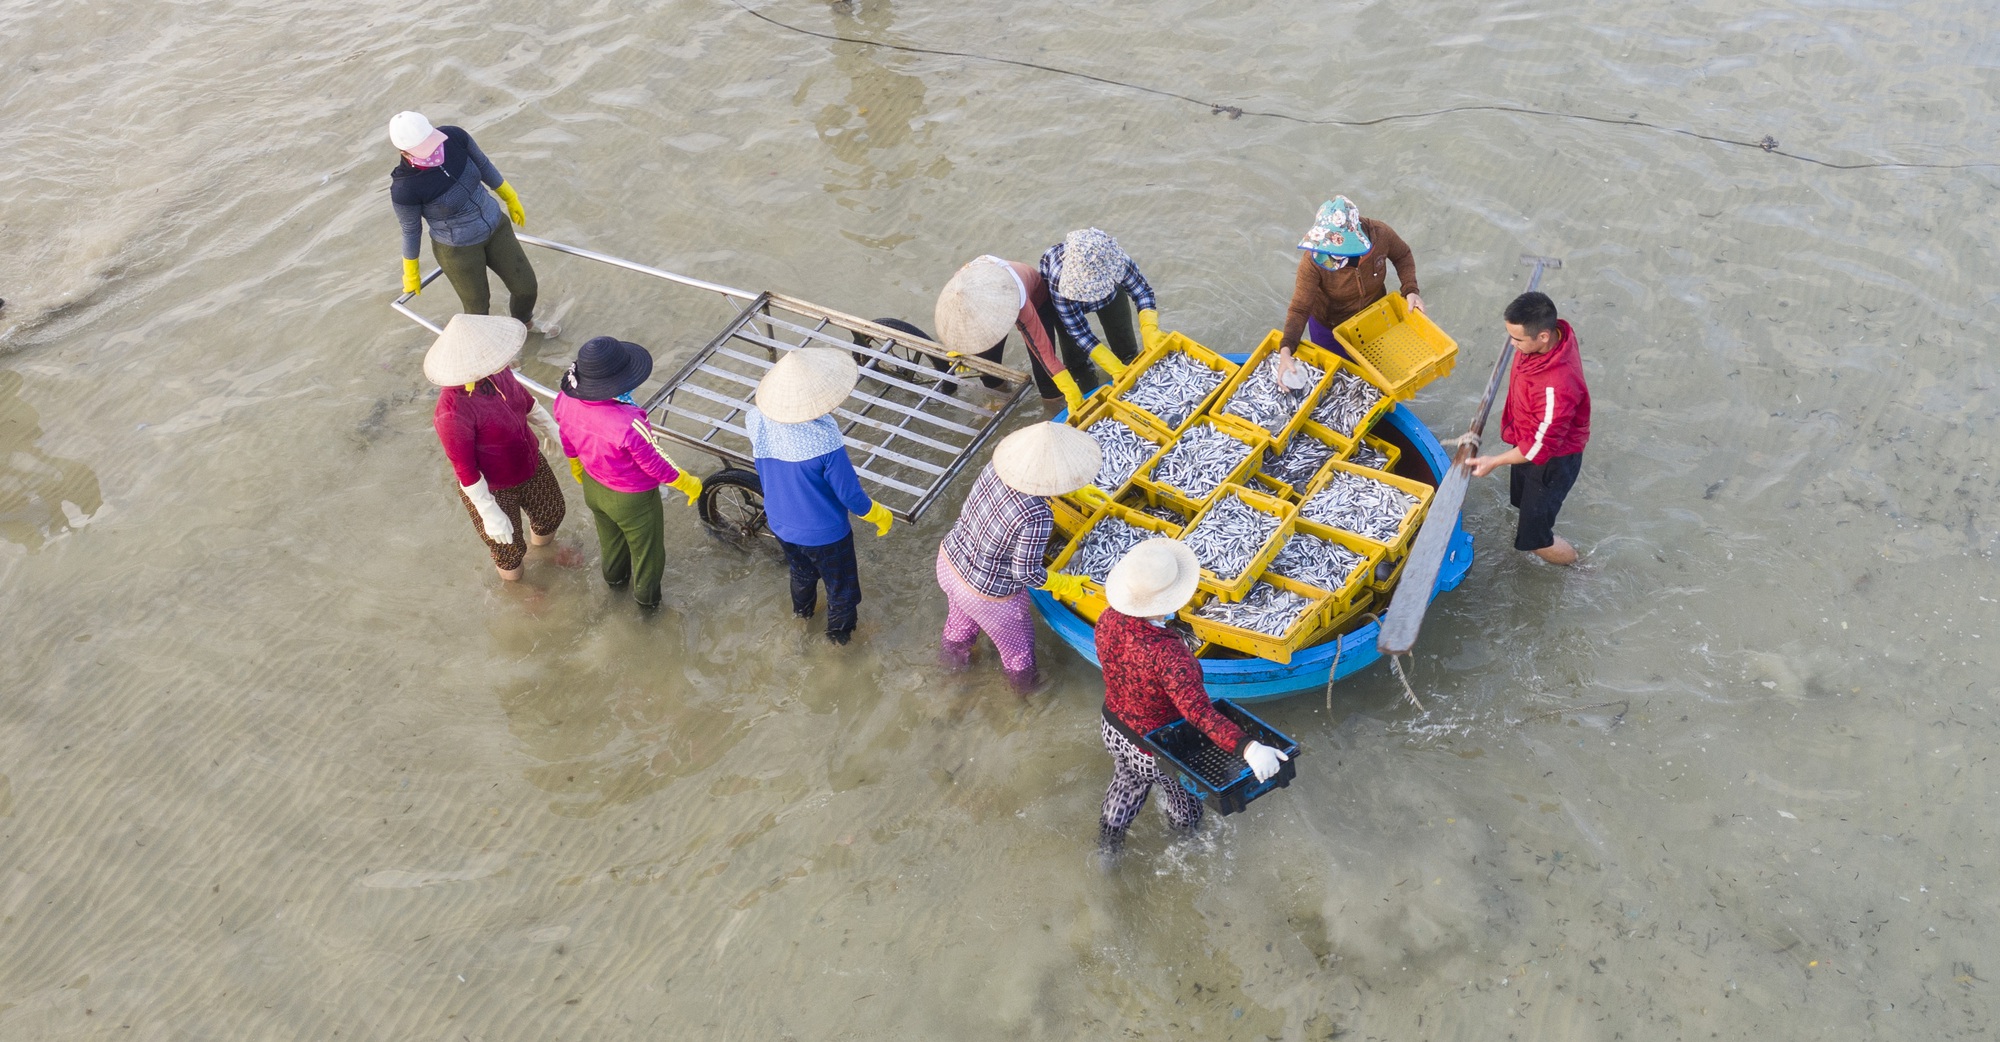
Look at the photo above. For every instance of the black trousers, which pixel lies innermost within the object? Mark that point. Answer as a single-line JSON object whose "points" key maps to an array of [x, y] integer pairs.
{"points": [[832, 564], [1539, 489], [1120, 331]]}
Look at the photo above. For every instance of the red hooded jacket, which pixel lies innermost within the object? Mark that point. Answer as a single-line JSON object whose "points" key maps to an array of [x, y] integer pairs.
{"points": [[1548, 406]]}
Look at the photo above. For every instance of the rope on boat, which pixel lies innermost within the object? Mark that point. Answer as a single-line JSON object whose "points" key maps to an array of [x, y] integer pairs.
{"points": [[1767, 144]]}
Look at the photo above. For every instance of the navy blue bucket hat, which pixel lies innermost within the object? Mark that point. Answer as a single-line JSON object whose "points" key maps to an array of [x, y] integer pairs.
{"points": [[607, 367]]}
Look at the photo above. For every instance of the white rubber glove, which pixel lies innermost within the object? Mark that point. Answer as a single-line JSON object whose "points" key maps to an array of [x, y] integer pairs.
{"points": [[542, 422], [1263, 760], [491, 517]]}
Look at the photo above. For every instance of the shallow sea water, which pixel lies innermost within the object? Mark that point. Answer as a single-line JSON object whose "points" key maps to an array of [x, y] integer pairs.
{"points": [[281, 758]]}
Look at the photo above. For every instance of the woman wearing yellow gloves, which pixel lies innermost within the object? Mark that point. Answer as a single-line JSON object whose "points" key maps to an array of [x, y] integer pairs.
{"points": [[993, 555], [613, 454], [1087, 273], [439, 182], [810, 487], [989, 296]]}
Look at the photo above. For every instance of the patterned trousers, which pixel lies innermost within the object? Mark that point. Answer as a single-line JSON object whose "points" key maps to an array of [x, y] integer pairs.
{"points": [[539, 496], [1133, 775], [1008, 621]]}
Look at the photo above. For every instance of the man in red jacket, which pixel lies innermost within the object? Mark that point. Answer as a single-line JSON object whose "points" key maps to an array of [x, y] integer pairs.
{"points": [[1546, 419]]}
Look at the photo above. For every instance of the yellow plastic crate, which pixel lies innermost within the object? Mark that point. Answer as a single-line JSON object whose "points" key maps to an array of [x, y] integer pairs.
{"points": [[1233, 589], [1342, 447], [1358, 588], [1257, 438], [1325, 360], [1070, 517], [1411, 520], [1141, 495], [1137, 421], [1271, 486], [1400, 349], [1390, 453], [1171, 343], [1277, 649], [1092, 603]]}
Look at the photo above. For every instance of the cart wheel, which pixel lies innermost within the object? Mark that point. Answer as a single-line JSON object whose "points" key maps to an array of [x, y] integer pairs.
{"points": [[908, 354], [732, 506]]}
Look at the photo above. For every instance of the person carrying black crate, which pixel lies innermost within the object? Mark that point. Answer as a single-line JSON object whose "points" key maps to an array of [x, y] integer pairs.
{"points": [[1546, 420], [1151, 679]]}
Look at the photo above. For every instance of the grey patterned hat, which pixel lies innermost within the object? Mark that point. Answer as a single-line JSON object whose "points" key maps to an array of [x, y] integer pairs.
{"points": [[1092, 263]]}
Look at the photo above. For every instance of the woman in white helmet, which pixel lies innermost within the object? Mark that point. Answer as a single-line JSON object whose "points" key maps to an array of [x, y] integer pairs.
{"points": [[442, 181]]}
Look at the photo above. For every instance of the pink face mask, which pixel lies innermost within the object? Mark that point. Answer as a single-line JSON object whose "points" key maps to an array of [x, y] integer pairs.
{"points": [[436, 158]]}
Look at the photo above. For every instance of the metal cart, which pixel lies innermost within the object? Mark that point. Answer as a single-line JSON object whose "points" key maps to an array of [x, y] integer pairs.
{"points": [[914, 420]]}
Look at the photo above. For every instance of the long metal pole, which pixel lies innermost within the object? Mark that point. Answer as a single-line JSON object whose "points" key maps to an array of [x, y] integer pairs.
{"points": [[1413, 592]]}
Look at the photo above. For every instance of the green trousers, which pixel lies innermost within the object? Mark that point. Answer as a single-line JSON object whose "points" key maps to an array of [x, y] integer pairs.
{"points": [[466, 267], [631, 538]]}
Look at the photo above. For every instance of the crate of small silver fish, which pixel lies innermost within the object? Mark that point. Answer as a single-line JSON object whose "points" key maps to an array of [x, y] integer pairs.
{"points": [[1174, 382], [1351, 403], [1109, 534], [1255, 394], [1382, 508], [1292, 465], [1329, 559], [1235, 536], [1213, 452], [1276, 618]]}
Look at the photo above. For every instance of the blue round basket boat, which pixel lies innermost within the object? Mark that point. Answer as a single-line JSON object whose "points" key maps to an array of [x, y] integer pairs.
{"points": [[1251, 679]]}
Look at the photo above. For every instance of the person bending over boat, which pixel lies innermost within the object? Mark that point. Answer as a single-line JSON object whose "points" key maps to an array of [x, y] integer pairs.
{"points": [[483, 418], [810, 487], [1547, 421], [442, 182], [988, 296], [993, 555], [1151, 679], [1088, 274], [615, 456], [1345, 269]]}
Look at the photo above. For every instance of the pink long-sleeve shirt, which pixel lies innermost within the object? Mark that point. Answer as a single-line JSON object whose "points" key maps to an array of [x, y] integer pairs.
{"points": [[614, 443]]}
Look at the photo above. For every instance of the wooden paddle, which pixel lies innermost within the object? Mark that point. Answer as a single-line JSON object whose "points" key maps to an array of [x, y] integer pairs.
{"points": [[1413, 592]]}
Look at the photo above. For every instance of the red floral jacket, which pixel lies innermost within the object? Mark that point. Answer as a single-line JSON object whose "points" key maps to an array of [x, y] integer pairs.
{"points": [[1152, 680]]}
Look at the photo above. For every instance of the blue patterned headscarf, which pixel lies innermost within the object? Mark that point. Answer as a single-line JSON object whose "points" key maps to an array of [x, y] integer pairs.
{"points": [[791, 442], [1336, 236]]}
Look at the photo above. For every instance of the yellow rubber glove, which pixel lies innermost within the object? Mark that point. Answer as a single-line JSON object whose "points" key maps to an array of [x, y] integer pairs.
{"points": [[576, 469], [1072, 395], [1091, 496], [1101, 354], [1149, 328], [1065, 587], [687, 485], [520, 216], [413, 279], [879, 516]]}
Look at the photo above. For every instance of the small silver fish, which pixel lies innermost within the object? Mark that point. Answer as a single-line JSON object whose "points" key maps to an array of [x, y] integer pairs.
{"points": [[1101, 547], [1229, 535], [1200, 460], [1173, 387], [1123, 451], [1361, 505], [1346, 403], [1263, 402], [1265, 609]]}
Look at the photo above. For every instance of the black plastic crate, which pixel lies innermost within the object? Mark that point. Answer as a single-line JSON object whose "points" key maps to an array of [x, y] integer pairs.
{"points": [[1218, 777]]}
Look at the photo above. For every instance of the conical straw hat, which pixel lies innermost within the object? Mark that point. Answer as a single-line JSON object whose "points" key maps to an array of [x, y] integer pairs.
{"points": [[472, 347], [1154, 578], [806, 384], [1047, 459], [978, 306]]}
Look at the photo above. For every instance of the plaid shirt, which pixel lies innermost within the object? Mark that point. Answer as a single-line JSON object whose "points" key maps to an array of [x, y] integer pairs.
{"points": [[1072, 311], [1000, 537]]}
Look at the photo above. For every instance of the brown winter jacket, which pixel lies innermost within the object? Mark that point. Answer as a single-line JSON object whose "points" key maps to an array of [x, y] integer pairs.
{"points": [[1334, 297]]}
